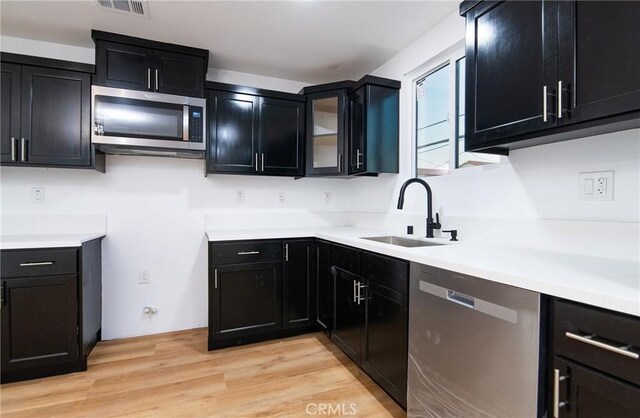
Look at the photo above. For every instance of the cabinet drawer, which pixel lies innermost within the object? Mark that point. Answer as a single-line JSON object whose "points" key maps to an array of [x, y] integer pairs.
{"points": [[33, 263], [245, 252], [346, 258], [572, 323], [387, 271]]}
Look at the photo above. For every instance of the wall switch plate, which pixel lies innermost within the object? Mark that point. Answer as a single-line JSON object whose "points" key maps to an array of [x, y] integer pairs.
{"points": [[240, 196], [281, 198], [37, 195], [144, 277], [595, 185], [328, 197]]}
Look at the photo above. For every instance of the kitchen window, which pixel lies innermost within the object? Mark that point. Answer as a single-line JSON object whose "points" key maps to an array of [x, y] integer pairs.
{"points": [[440, 138]]}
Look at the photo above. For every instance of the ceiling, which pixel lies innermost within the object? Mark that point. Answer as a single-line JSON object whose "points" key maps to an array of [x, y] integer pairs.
{"points": [[310, 41]]}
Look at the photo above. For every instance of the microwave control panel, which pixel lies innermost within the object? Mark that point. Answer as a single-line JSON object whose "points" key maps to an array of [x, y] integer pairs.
{"points": [[196, 123]]}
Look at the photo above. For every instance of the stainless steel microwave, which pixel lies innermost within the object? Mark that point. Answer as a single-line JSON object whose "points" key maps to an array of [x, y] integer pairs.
{"points": [[139, 122]]}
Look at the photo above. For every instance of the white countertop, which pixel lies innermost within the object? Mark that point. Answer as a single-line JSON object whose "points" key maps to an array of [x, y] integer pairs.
{"points": [[602, 282], [28, 241]]}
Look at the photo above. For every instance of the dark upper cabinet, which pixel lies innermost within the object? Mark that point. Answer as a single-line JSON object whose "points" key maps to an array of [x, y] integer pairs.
{"points": [[140, 64], [281, 137], [298, 292], [374, 126], [348, 313], [233, 133], [124, 66], [599, 59], [326, 133], [546, 71], [10, 112], [254, 131], [55, 117], [324, 288], [45, 115], [511, 62], [39, 322]]}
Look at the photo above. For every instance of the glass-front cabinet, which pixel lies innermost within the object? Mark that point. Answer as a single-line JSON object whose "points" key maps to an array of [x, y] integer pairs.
{"points": [[326, 132]]}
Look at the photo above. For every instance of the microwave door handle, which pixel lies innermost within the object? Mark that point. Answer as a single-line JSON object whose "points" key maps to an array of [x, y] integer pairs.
{"points": [[185, 123]]}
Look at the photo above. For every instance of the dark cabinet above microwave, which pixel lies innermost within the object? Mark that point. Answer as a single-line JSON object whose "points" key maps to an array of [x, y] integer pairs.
{"points": [[139, 64], [547, 71]]}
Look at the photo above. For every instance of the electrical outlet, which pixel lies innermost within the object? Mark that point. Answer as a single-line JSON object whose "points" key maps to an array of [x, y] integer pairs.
{"points": [[595, 185], [37, 195], [281, 198], [144, 277], [328, 197], [150, 310], [240, 196]]}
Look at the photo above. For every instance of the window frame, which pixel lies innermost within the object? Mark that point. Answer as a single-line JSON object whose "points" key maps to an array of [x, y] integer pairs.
{"points": [[451, 59]]}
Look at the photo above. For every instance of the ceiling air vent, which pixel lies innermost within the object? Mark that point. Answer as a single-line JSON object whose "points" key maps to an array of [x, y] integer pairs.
{"points": [[133, 7]]}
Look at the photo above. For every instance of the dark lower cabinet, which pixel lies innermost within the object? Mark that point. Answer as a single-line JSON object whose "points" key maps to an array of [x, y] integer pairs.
{"points": [[245, 300], [39, 321], [51, 310], [348, 314], [298, 292], [595, 367], [385, 354], [324, 288], [370, 317]]}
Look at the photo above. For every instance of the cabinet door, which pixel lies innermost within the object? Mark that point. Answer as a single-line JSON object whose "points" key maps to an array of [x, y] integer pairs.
{"points": [[324, 294], [55, 117], [589, 394], [599, 58], [233, 133], [357, 131], [511, 56], [39, 321], [10, 110], [179, 74], [245, 299], [326, 131], [386, 346], [298, 303], [348, 314], [124, 66], [281, 137]]}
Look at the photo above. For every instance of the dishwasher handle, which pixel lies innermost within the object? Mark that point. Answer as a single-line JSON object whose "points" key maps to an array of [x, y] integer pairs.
{"points": [[461, 298]]}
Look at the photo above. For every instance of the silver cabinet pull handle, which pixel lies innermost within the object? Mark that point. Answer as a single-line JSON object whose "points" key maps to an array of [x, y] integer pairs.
{"points": [[354, 290], [286, 252], [340, 163], [544, 104], [148, 78], [248, 252], [556, 393], [24, 150], [13, 149], [358, 155], [360, 287], [215, 278], [588, 339], [262, 157], [257, 162], [156, 79], [559, 99], [39, 263]]}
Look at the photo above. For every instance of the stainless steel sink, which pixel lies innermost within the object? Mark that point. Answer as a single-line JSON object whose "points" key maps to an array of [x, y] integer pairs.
{"points": [[401, 241]]}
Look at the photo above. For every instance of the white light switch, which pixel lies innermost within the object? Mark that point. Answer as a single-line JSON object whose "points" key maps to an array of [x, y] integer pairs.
{"points": [[595, 185]]}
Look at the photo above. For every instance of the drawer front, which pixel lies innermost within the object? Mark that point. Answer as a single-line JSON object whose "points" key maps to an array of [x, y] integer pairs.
{"points": [[387, 271], [39, 262], [603, 330], [245, 252], [346, 258]]}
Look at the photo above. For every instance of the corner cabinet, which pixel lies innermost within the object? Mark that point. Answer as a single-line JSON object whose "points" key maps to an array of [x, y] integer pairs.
{"points": [[51, 310], [254, 131], [139, 64], [569, 69], [46, 114], [298, 284]]}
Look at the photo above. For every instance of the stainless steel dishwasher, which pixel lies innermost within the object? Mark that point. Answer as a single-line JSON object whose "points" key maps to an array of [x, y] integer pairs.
{"points": [[473, 347]]}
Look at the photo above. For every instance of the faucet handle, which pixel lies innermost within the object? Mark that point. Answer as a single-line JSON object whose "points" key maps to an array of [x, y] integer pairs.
{"points": [[436, 224]]}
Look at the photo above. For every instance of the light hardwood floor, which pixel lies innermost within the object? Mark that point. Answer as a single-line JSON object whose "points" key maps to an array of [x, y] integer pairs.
{"points": [[173, 375]]}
